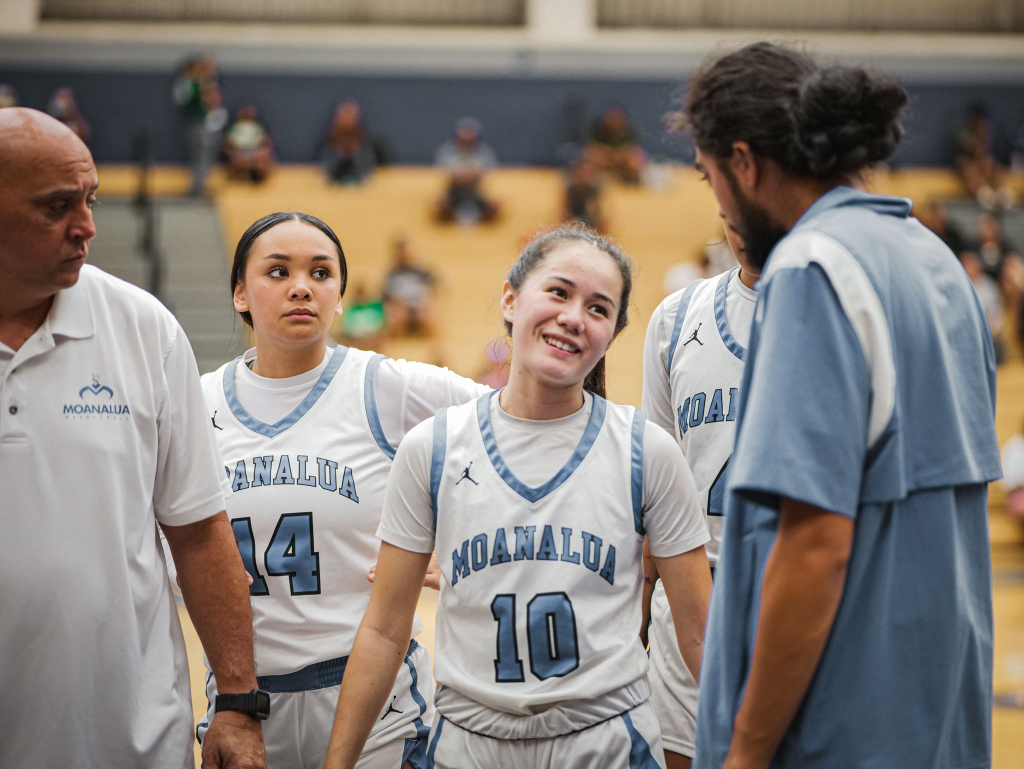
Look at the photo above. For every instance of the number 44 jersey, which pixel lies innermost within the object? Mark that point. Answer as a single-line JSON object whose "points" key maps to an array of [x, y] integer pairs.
{"points": [[306, 495], [541, 585]]}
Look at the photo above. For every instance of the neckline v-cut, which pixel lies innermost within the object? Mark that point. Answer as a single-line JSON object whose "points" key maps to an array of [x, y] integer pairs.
{"points": [[267, 430], [534, 493]]}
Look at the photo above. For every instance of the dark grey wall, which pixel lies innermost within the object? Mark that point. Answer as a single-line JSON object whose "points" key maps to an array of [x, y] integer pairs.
{"points": [[524, 119]]}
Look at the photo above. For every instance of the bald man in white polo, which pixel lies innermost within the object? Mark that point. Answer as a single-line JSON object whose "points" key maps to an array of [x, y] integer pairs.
{"points": [[103, 434]]}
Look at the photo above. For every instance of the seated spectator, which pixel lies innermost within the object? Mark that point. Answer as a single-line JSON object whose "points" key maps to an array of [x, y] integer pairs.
{"points": [[981, 173], [361, 325], [408, 295], [680, 275], [583, 194], [466, 159], [939, 223], [248, 147], [8, 96], [348, 153], [1017, 151], [991, 299], [62, 105], [615, 148], [992, 247]]}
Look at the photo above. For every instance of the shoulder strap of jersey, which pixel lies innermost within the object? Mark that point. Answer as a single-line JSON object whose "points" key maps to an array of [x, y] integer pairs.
{"points": [[636, 462], [437, 458], [677, 326], [370, 402]]}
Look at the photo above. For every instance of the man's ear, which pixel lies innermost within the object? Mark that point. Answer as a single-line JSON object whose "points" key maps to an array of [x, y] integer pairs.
{"points": [[238, 298], [743, 164], [508, 302]]}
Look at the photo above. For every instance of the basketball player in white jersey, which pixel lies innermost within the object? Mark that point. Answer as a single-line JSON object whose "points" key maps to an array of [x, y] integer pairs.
{"points": [[693, 364], [307, 434], [537, 499]]}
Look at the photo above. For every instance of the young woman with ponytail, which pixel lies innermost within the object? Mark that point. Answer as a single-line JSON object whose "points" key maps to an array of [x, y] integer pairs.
{"points": [[537, 499]]}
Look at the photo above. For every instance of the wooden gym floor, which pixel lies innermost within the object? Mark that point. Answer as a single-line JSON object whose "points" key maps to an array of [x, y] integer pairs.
{"points": [[657, 227]]}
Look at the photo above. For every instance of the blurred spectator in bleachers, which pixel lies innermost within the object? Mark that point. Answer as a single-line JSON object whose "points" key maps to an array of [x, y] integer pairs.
{"points": [[361, 325], [940, 223], [1017, 151], [583, 194], [991, 299], [981, 173], [408, 294], [8, 96], [466, 159], [614, 146], [1012, 482], [496, 370], [63, 106], [348, 152], [992, 246], [197, 93], [248, 147]]}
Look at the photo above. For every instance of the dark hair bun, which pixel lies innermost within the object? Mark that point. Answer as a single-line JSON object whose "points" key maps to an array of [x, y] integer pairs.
{"points": [[846, 118], [824, 122]]}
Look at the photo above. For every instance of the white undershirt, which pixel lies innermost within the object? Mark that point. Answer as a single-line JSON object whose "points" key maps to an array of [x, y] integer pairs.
{"points": [[407, 392], [517, 439]]}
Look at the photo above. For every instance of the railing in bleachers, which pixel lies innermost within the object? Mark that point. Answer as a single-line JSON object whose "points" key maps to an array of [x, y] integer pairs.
{"points": [[433, 12], [881, 15]]}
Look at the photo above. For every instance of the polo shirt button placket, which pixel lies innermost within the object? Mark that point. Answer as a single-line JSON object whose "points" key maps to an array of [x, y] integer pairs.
{"points": [[13, 410]]}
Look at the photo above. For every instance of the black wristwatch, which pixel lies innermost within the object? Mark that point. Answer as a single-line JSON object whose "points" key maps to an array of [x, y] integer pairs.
{"points": [[255, 703]]}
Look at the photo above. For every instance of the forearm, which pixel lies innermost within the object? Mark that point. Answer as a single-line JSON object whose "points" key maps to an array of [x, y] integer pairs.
{"points": [[369, 678], [214, 587], [687, 581], [377, 653], [800, 594]]}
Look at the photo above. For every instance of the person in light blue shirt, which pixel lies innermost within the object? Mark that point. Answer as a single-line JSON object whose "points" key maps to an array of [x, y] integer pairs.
{"points": [[851, 617]]}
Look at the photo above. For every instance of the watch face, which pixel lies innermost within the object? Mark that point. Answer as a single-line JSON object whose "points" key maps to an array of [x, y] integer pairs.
{"points": [[262, 704]]}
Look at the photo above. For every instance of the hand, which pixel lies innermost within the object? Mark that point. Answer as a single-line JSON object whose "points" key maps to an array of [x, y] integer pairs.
{"points": [[234, 741], [431, 580]]}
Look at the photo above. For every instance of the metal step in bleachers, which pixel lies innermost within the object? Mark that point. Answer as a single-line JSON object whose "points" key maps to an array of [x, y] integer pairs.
{"points": [[194, 283]]}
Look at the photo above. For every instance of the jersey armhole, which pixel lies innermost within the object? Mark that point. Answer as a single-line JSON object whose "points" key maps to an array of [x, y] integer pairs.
{"points": [[370, 402], [677, 325], [437, 459], [636, 462]]}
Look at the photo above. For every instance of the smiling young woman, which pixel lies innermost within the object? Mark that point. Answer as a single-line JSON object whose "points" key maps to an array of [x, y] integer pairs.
{"points": [[537, 500], [307, 432]]}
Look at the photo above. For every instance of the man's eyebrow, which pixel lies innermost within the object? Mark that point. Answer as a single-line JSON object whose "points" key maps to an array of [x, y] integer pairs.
{"points": [[66, 192]]}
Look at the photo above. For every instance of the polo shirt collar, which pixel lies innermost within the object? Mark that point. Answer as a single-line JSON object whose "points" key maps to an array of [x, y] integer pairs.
{"points": [[848, 196], [71, 313]]}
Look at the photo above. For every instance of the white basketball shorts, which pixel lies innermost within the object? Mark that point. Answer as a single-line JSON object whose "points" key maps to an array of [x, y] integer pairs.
{"points": [[302, 706], [673, 689], [630, 739]]}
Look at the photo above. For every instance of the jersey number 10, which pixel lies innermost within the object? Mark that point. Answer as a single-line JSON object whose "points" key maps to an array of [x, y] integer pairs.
{"points": [[550, 633], [290, 553]]}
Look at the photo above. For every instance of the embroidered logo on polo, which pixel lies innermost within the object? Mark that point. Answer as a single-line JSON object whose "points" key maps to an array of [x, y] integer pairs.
{"points": [[96, 400]]}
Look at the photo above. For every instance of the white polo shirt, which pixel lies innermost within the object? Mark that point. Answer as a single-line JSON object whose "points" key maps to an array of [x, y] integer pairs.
{"points": [[103, 432]]}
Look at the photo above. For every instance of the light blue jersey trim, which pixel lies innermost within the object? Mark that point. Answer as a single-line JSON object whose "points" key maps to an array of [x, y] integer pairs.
{"points": [[723, 321], [639, 751], [437, 458], [677, 326], [204, 724], [636, 469], [433, 742], [416, 754], [370, 400], [531, 493], [269, 431]]}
